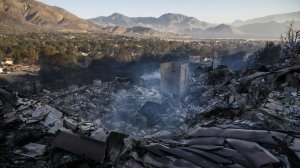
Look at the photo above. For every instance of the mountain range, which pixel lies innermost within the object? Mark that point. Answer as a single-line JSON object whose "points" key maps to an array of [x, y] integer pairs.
{"points": [[270, 27], [34, 16], [168, 22], [279, 18], [30, 15]]}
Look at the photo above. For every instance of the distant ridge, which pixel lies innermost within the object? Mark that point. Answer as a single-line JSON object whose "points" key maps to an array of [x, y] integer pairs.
{"points": [[17, 16], [30, 15], [34, 16], [269, 27], [168, 22], [279, 18]]}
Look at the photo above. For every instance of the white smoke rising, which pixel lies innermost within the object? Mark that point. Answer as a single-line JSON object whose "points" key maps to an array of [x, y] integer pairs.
{"points": [[151, 76]]}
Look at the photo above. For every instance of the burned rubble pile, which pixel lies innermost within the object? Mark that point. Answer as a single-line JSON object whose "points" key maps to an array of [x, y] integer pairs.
{"points": [[120, 106], [248, 98], [241, 119]]}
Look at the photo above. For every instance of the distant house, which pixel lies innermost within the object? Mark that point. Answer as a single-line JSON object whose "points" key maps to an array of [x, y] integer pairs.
{"points": [[204, 62], [7, 61]]}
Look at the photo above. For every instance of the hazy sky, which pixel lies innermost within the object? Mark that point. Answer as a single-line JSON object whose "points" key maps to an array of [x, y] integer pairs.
{"points": [[216, 11]]}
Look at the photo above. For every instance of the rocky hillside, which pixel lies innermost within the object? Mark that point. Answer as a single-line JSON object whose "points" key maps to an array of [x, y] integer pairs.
{"points": [[269, 27], [136, 31], [30, 15], [168, 22], [280, 18], [34, 16]]}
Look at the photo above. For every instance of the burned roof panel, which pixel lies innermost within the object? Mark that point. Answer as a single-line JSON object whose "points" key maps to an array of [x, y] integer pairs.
{"points": [[257, 155], [81, 146], [261, 136]]}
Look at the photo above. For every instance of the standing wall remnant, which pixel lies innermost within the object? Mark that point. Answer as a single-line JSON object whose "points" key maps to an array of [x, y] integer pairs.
{"points": [[174, 78]]}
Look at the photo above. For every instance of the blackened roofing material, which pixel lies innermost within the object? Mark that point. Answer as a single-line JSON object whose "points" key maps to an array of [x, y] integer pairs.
{"points": [[233, 155], [225, 147], [81, 146], [207, 147], [257, 155], [155, 148], [208, 155], [235, 166], [154, 160], [194, 158], [205, 141], [132, 164], [296, 145], [260, 136], [183, 163]]}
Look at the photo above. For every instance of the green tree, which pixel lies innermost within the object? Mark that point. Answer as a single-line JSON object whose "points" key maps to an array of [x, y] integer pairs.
{"points": [[32, 55], [17, 56], [1, 54], [49, 50], [291, 43], [270, 54]]}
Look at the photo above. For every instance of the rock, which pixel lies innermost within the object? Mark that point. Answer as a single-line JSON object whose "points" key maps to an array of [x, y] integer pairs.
{"points": [[31, 150], [99, 135], [70, 124]]}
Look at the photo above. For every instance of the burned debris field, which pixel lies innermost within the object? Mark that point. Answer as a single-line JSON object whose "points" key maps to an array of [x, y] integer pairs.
{"points": [[158, 111], [148, 92]]}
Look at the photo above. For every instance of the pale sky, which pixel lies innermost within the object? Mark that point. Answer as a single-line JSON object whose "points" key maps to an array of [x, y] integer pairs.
{"points": [[214, 11]]}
